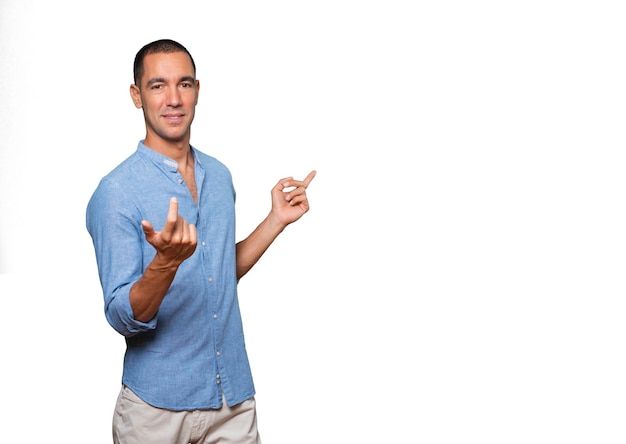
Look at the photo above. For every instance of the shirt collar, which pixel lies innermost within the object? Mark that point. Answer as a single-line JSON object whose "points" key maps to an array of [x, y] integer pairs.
{"points": [[162, 161]]}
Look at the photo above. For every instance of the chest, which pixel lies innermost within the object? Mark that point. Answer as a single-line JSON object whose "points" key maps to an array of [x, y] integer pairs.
{"points": [[190, 181]]}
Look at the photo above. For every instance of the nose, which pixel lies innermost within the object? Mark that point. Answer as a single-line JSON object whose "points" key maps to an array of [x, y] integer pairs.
{"points": [[173, 97]]}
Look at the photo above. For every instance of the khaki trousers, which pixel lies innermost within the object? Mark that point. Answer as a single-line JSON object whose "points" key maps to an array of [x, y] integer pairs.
{"points": [[136, 422]]}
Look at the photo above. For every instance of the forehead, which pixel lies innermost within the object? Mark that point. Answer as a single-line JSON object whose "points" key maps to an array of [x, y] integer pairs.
{"points": [[171, 65]]}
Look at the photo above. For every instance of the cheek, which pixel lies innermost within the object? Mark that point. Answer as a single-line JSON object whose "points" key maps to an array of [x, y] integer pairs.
{"points": [[150, 106]]}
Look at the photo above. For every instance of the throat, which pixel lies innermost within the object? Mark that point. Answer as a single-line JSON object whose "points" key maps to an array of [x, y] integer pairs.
{"points": [[188, 172]]}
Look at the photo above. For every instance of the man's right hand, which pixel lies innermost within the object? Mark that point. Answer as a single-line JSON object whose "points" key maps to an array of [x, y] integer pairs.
{"points": [[176, 241]]}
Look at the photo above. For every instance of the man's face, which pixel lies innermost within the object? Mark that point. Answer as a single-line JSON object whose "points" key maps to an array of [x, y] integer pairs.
{"points": [[168, 94]]}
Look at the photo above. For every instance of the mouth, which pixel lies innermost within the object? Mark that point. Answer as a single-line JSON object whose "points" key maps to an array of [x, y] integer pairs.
{"points": [[173, 118]]}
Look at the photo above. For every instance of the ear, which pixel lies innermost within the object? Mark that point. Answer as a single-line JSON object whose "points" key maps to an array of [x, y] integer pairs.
{"points": [[135, 94], [197, 90]]}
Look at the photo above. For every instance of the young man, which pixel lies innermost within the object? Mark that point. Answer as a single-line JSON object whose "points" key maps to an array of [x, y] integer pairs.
{"points": [[163, 229]]}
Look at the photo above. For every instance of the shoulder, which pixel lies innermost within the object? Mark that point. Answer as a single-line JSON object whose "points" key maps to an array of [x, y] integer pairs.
{"points": [[117, 183], [211, 164]]}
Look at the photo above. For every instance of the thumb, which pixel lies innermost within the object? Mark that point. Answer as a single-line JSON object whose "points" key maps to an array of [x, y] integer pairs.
{"points": [[148, 229]]}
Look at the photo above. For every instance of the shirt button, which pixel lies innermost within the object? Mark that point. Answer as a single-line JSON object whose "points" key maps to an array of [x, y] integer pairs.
{"points": [[218, 353], [215, 316], [210, 279], [218, 376], [180, 180], [204, 244]]}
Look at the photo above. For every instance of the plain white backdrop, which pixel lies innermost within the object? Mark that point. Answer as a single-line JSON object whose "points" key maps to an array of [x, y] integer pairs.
{"points": [[460, 276]]}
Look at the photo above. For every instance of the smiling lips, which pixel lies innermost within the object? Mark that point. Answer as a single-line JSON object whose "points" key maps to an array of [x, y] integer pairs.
{"points": [[173, 118]]}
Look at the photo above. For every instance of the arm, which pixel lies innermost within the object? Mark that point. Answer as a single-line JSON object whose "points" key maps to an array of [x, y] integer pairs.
{"points": [[175, 243], [289, 203]]}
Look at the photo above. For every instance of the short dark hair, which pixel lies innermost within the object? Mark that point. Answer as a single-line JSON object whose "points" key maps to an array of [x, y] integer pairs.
{"points": [[156, 47]]}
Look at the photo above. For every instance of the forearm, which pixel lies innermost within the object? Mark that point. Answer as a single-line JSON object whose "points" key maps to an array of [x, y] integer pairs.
{"points": [[250, 250], [148, 292]]}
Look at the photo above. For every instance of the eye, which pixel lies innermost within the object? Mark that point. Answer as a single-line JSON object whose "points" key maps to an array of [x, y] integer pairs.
{"points": [[186, 85]]}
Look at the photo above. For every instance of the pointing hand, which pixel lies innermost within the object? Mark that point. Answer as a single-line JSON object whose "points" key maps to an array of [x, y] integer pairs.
{"points": [[176, 241]]}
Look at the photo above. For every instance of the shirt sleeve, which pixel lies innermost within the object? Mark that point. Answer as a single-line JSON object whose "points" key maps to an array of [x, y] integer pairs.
{"points": [[114, 223]]}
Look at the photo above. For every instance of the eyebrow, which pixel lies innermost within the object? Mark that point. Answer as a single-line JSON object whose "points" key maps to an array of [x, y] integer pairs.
{"points": [[162, 80]]}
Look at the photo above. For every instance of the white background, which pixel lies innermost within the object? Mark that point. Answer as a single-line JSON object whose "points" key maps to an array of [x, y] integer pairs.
{"points": [[460, 276]]}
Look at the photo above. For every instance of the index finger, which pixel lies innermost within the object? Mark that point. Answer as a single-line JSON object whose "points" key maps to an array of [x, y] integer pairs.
{"points": [[172, 214], [307, 180]]}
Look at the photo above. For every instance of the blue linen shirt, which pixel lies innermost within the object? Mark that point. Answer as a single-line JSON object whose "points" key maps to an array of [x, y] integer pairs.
{"points": [[193, 348]]}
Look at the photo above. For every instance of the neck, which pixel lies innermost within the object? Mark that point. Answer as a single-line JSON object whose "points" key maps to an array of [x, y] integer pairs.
{"points": [[187, 162], [178, 151]]}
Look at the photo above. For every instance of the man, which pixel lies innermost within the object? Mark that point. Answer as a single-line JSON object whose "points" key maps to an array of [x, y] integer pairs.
{"points": [[163, 229]]}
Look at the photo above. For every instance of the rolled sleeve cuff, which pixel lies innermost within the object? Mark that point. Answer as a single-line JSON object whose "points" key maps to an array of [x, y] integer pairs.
{"points": [[120, 315]]}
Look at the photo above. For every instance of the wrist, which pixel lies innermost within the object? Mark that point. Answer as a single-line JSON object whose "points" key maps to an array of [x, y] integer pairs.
{"points": [[275, 223]]}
